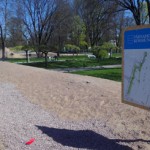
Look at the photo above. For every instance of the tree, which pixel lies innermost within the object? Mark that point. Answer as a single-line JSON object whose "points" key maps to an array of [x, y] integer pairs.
{"points": [[106, 47], [103, 54], [3, 24], [97, 18], [136, 7], [15, 31], [45, 49], [148, 9], [63, 25], [39, 21], [16, 26], [78, 32], [72, 48], [120, 21], [26, 48], [9, 24], [109, 47]]}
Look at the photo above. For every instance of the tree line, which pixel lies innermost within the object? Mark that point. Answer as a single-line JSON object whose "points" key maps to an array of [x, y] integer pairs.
{"points": [[49, 25]]}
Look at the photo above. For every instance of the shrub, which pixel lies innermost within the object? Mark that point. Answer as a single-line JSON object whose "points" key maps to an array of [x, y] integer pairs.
{"points": [[72, 48], [83, 45], [107, 46], [96, 50], [21, 47], [25, 47], [16, 48], [103, 54], [103, 50]]}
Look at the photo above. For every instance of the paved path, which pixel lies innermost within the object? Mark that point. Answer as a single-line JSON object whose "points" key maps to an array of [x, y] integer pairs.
{"points": [[87, 68]]}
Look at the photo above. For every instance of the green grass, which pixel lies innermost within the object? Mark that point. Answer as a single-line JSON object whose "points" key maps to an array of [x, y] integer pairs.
{"points": [[35, 59], [111, 74], [75, 57], [117, 55], [75, 63], [67, 62]]}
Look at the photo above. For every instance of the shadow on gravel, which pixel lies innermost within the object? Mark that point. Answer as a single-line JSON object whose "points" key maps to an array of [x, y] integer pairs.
{"points": [[83, 139]]}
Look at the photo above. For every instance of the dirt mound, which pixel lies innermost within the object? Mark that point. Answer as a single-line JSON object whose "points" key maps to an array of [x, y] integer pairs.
{"points": [[11, 54]]}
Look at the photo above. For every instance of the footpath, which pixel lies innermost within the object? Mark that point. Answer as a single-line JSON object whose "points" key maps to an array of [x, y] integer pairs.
{"points": [[87, 68]]}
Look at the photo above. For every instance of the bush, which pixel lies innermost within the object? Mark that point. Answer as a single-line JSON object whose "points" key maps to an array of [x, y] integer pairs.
{"points": [[107, 46], [103, 54], [83, 45], [16, 48], [21, 48], [103, 50], [96, 50], [25, 47], [72, 48]]}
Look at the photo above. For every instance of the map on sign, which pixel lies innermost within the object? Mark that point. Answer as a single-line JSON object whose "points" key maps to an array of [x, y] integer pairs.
{"points": [[136, 66]]}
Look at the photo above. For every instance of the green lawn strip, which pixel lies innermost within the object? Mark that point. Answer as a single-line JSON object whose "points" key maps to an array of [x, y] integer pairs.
{"points": [[72, 58], [111, 74], [75, 63], [117, 55], [35, 59], [75, 57]]}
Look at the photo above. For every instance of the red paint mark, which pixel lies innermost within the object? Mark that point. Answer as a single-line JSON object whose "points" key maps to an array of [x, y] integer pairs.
{"points": [[30, 141]]}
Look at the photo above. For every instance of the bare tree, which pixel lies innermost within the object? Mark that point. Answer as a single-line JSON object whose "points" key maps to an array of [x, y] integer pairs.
{"points": [[3, 25], [15, 26], [63, 23], [136, 7], [39, 21], [15, 32], [148, 8]]}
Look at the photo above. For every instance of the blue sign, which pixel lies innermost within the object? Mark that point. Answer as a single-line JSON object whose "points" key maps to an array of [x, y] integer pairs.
{"points": [[137, 39]]}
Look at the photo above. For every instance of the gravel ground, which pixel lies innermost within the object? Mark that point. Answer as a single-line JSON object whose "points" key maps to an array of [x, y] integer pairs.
{"points": [[21, 120], [66, 111], [1, 145]]}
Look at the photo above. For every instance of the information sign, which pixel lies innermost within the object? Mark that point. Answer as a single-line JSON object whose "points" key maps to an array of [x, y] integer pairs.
{"points": [[136, 66]]}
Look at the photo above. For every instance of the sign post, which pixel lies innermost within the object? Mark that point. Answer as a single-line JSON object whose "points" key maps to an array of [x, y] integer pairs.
{"points": [[136, 66]]}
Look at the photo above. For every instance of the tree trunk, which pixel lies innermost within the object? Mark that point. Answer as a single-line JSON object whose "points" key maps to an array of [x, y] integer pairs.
{"points": [[27, 56], [59, 47], [3, 43], [58, 53], [38, 54], [3, 51], [46, 65]]}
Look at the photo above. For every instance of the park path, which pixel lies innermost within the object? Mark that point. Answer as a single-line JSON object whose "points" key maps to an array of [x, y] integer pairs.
{"points": [[87, 68]]}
